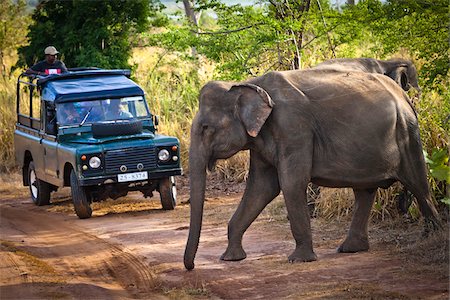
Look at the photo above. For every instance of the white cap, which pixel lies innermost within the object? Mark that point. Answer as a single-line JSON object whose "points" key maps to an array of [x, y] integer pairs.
{"points": [[51, 50]]}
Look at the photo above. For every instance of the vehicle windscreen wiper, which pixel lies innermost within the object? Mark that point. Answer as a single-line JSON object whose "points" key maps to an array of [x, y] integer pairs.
{"points": [[86, 116]]}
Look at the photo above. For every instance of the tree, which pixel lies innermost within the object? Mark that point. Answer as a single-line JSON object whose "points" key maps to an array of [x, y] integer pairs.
{"points": [[14, 21], [421, 27], [87, 33], [251, 40]]}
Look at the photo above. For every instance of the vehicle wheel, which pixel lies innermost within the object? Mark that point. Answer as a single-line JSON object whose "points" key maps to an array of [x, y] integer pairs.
{"points": [[80, 197], [40, 190], [168, 193]]}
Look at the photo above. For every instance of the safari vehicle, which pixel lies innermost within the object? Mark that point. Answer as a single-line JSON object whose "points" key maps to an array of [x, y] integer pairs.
{"points": [[91, 130]]}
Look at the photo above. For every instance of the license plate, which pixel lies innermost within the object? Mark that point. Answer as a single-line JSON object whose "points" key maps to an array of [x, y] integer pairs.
{"points": [[132, 176]]}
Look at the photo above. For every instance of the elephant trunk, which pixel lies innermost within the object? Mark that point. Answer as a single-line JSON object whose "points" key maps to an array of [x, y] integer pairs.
{"points": [[197, 178]]}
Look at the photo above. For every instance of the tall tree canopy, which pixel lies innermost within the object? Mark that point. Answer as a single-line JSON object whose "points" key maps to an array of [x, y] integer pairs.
{"points": [[291, 34], [87, 33]]}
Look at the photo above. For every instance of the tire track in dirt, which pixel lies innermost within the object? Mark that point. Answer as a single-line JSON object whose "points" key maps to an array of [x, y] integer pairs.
{"points": [[139, 254], [90, 266]]}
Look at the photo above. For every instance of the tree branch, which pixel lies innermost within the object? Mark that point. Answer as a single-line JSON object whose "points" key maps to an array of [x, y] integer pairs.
{"points": [[227, 31]]}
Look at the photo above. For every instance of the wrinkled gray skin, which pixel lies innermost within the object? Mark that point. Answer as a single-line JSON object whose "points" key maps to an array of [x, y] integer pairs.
{"points": [[335, 129], [401, 71]]}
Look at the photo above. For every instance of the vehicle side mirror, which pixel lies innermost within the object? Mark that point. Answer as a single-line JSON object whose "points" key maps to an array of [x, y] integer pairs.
{"points": [[156, 120]]}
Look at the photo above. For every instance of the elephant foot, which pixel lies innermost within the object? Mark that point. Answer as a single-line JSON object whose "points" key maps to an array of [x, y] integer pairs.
{"points": [[302, 256], [352, 245], [234, 254]]}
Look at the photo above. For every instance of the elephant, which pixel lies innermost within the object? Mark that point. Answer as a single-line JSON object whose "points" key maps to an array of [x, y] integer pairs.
{"points": [[401, 71], [335, 129]]}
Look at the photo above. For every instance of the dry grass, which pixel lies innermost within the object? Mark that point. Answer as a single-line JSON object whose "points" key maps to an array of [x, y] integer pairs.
{"points": [[11, 186]]}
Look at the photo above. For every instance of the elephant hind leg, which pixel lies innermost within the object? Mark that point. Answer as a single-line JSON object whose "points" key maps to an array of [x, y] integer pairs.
{"points": [[423, 197], [357, 238], [413, 175]]}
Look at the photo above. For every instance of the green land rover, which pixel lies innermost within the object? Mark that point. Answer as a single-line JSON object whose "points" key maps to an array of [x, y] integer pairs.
{"points": [[91, 130]]}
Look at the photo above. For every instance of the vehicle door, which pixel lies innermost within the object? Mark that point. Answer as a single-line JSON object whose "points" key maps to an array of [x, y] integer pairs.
{"points": [[27, 137], [49, 141]]}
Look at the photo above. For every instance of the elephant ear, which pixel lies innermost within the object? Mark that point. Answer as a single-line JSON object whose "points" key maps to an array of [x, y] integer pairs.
{"points": [[253, 106], [400, 75]]}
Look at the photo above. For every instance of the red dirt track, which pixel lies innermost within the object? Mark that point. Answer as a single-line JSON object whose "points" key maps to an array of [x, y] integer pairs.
{"points": [[138, 254]]}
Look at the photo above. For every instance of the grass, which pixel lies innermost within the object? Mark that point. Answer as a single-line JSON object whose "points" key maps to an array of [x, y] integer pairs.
{"points": [[7, 121]]}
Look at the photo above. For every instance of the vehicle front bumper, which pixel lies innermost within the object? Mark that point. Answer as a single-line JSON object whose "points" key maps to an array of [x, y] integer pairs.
{"points": [[111, 179]]}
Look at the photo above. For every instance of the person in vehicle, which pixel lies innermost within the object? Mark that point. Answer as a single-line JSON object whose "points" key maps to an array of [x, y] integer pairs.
{"points": [[116, 111], [50, 65], [68, 114]]}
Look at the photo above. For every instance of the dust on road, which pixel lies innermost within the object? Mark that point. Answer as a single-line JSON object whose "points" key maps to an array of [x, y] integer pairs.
{"points": [[131, 249]]}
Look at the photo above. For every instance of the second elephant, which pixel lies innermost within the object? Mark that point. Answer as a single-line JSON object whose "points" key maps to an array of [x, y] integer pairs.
{"points": [[402, 71]]}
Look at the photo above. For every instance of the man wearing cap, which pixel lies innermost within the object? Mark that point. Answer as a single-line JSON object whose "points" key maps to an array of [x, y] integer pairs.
{"points": [[50, 65]]}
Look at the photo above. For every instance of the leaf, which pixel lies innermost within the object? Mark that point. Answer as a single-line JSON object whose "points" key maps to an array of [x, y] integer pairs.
{"points": [[439, 156], [441, 172], [446, 201], [427, 157]]}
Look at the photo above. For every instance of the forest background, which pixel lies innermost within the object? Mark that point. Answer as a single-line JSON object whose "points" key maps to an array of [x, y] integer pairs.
{"points": [[174, 48]]}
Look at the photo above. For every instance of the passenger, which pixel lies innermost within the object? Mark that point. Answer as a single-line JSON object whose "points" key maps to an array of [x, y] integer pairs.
{"points": [[50, 65], [116, 111]]}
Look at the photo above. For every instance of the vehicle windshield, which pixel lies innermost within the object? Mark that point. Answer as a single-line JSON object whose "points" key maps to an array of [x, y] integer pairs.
{"points": [[87, 112]]}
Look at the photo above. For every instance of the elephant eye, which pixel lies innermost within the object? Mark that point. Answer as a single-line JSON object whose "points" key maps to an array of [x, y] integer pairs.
{"points": [[207, 129]]}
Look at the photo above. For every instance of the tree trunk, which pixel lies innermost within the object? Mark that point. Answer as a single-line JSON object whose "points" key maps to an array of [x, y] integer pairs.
{"points": [[190, 14]]}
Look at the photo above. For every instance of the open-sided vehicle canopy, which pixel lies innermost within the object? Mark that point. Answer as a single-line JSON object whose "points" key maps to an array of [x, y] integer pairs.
{"points": [[87, 85]]}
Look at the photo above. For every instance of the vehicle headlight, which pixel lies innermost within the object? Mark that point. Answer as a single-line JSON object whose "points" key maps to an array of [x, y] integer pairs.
{"points": [[95, 162], [163, 155]]}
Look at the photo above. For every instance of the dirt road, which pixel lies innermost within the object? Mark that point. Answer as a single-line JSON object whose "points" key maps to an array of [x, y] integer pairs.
{"points": [[132, 249]]}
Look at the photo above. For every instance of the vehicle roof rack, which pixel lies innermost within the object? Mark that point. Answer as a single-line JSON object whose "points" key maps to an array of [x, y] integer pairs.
{"points": [[85, 73]]}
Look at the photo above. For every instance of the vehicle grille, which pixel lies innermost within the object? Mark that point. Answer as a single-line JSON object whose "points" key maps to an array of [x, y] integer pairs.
{"points": [[130, 158]]}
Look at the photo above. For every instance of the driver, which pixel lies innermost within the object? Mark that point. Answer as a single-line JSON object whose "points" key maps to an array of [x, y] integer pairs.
{"points": [[69, 114]]}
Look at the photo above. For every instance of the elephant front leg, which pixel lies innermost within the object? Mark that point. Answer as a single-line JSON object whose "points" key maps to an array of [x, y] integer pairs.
{"points": [[294, 173], [357, 238], [299, 219], [262, 187]]}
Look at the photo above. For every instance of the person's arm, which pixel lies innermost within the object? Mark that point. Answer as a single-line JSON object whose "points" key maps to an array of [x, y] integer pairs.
{"points": [[35, 70]]}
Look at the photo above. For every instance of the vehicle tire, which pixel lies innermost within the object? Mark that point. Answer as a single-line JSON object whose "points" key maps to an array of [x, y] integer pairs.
{"points": [[80, 197], [168, 193], [39, 190], [116, 128]]}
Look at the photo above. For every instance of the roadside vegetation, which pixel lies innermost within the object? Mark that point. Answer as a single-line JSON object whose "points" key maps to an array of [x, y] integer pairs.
{"points": [[173, 56]]}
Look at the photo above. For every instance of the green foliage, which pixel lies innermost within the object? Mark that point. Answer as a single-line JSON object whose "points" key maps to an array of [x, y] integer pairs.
{"points": [[249, 40], [438, 164], [421, 27], [87, 33], [14, 21], [439, 170], [252, 40]]}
